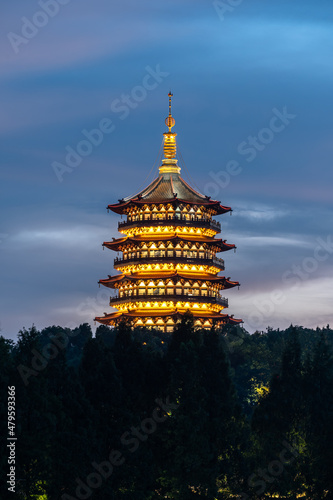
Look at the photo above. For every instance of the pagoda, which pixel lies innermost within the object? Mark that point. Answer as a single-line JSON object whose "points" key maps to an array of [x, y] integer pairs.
{"points": [[168, 262]]}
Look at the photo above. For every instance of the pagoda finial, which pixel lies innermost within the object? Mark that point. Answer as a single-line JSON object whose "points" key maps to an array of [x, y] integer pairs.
{"points": [[170, 121], [169, 163]]}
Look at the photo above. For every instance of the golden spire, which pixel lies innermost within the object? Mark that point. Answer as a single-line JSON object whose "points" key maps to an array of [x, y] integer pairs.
{"points": [[170, 121], [169, 163]]}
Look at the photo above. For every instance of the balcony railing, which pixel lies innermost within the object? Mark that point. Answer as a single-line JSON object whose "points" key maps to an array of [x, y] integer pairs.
{"points": [[180, 220], [202, 261], [134, 296]]}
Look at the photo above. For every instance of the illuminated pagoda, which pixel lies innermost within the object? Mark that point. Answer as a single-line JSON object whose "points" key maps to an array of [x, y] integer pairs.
{"points": [[168, 262]]}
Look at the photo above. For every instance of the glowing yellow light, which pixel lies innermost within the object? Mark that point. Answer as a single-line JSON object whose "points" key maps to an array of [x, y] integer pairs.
{"points": [[145, 232]]}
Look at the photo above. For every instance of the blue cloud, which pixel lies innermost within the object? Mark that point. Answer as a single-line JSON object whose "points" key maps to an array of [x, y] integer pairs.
{"points": [[227, 77]]}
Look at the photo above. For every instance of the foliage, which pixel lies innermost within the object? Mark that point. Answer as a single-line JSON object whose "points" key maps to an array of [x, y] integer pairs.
{"points": [[141, 414]]}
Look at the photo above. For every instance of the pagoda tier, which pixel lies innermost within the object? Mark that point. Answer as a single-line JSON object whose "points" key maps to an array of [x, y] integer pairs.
{"points": [[162, 287], [168, 263], [167, 319]]}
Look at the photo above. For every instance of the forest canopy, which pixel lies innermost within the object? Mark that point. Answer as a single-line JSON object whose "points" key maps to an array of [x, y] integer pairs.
{"points": [[141, 414]]}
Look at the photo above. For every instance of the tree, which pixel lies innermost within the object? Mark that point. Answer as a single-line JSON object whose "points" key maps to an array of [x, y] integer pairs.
{"points": [[33, 415], [183, 332], [278, 418], [200, 439], [318, 390]]}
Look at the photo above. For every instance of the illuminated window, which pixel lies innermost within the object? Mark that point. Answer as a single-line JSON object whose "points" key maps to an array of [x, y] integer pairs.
{"points": [[157, 253]]}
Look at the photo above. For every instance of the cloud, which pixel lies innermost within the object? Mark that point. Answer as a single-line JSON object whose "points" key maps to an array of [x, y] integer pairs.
{"points": [[259, 212], [307, 304], [65, 238], [226, 78], [272, 241]]}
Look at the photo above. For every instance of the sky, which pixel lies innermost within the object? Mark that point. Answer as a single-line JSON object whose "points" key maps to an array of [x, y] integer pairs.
{"points": [[252, 84]]}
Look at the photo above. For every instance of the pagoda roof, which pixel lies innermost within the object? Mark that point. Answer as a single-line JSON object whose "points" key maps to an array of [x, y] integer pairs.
{"points": [[119, 242], [168, 188], [134, 277], [108, 318]]}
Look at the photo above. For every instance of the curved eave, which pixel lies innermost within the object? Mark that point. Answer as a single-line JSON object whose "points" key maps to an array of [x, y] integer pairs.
{"points": [[234, 321], [120, 208], [230, 284], [108, 319], [113, 245], [117, 244], [119, 278]]}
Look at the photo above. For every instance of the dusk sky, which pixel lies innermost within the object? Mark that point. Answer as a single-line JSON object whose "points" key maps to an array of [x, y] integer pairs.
{"points": [[252, 83]]}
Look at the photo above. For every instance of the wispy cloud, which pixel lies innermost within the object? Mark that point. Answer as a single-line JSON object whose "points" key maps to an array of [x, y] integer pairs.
{"points": [[259, 213]]}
